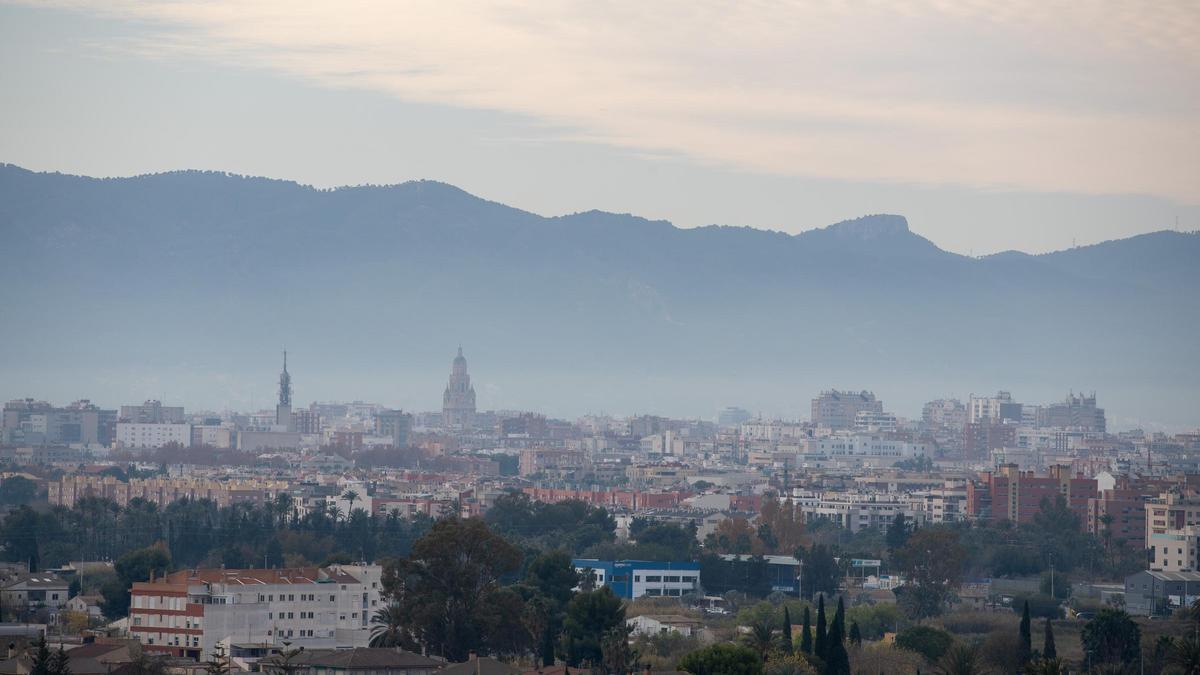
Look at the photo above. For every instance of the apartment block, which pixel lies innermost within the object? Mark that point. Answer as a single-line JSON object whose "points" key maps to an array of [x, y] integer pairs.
{"points": [[187, 613]]}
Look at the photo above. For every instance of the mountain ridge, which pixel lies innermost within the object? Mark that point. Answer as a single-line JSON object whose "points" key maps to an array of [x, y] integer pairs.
{"points": [[372, 282]]}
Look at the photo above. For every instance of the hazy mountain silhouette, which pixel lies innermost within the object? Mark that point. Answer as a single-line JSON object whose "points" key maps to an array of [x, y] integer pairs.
{"points": [[186, 284]]}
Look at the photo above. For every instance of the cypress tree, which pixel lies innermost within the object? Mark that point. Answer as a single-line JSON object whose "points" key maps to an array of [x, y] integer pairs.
{"points": [[1025, 634], [1049, 651], [787, 630], [855, 634], [839, 618], [819, 646], [837, 661], [806, 641]]}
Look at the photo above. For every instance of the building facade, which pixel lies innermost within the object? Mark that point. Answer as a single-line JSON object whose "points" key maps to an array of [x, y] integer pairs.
{"points": [[134, 435], [837, 409], [631, 579], [458, 401], [187, 613]]}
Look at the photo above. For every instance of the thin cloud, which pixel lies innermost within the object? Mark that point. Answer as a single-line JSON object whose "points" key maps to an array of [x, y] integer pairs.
{"points": [[1092, 97]]}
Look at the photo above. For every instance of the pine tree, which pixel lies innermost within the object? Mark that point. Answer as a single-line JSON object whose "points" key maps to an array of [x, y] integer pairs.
{"points": [[1026, 636], [59, 663], [820, 643], [787, 630], [855, 634], [41, 659], [1049, 651], [806, 641]]}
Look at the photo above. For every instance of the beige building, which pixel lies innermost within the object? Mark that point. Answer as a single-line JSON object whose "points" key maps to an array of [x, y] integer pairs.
{"points": [[162, 491], [1173, 532]]}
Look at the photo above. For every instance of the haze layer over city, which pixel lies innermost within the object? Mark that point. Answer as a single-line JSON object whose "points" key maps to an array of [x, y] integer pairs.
{"points": [[441, 338]]}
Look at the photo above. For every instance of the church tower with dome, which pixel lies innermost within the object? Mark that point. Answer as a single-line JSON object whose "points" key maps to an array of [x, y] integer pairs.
{"points": [[458, 402]]}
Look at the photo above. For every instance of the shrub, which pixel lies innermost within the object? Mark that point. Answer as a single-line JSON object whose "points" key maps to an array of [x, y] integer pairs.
{"points": [[927, 641]]}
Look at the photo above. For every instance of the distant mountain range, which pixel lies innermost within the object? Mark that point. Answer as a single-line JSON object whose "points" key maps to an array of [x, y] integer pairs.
{"points": [[187, 284]]}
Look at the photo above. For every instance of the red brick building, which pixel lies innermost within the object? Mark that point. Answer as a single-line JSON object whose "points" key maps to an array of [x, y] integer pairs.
{"points": [[1011, 494]]}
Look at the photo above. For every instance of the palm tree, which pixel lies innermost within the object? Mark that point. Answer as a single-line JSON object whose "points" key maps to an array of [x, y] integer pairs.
{"points": [[387, 629], [960, 659], [334, 512], [1185, 655], [761, 637], [350, 496]]}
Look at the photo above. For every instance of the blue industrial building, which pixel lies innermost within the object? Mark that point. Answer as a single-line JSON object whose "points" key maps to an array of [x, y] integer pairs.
{"points": [[632, 579]]}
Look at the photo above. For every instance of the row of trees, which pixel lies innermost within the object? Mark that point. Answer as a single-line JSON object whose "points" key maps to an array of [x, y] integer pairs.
{"points": [[198, 532]]}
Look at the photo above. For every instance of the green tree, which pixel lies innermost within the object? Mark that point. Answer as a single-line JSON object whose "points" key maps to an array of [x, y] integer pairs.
{"points": [[897, 533], [927, 641], [1049, 650], [855, 634], [1046, 667], [933, 559], [589, 617], [837, 661], [17, 490], [761, 637], [1111, 637], [806, 640], [614, 649], [722, 659], [786, 641], [60, 664], [821, 574], [1184, 655], [387, 626], [443, 586], [1056, 585], [552, 575], [788, 664], [41, 659], [132, 567], [821, 643], [1025, 633], [960, 659]]}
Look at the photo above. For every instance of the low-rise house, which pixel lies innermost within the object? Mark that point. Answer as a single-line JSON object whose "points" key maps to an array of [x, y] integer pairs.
{"points": [[655, 624], [86, 604], [39, 590]]}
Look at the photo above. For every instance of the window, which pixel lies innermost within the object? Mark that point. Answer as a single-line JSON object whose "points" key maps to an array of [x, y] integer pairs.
{"points": [[653, 578]]}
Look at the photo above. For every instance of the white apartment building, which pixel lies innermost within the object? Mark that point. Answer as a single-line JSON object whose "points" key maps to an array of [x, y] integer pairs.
{"points": [[136, 435], [187, 613], [946, 504], [772, 430], [860, 450], [855, 511]]}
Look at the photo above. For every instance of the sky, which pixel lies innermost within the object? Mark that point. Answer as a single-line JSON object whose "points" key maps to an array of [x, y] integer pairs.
{"points": [[1029, 125]]}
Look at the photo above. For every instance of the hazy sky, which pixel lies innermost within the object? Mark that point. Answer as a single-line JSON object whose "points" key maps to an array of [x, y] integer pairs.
{"points": [[992, 126]]}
